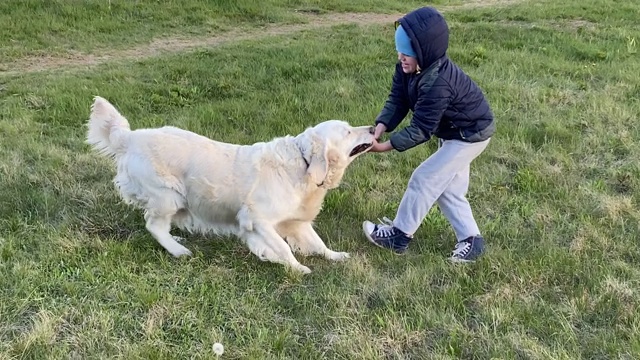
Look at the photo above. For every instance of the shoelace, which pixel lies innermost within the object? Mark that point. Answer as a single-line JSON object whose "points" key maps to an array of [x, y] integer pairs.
{"points": [[462, 249], [385, 228]]}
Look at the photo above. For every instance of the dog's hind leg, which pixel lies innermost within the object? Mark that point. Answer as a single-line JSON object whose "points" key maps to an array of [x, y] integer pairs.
{"points": [[265, 243], [303, 239], [159, 214], [159, 227]]}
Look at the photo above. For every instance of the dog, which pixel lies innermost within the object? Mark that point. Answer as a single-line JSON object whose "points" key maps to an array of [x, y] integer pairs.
{"points": [[267, 193]]}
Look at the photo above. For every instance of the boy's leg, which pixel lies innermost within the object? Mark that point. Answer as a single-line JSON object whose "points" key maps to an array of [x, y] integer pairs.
{"points": [[456, 208], [427, 182], [430, 180]]}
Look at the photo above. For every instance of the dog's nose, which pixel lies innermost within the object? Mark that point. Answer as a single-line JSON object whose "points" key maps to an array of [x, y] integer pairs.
{"points": [[372, 130]]}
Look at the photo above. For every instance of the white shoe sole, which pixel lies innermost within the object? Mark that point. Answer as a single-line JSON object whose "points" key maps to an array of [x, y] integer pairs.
{"points": [[368, 235]]}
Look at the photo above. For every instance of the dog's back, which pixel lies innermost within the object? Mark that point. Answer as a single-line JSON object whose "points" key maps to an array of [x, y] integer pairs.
{"points": [[169, 170]]}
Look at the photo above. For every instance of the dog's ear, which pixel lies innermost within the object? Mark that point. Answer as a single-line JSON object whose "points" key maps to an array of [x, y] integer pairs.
{"points": [[315, 154]]}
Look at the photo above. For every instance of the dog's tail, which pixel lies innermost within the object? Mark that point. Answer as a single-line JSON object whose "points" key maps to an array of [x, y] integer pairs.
{"points": [[108, 130]]}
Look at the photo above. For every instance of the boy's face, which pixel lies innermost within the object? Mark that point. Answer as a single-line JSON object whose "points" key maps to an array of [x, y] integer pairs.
{"points": [[409, 64]]}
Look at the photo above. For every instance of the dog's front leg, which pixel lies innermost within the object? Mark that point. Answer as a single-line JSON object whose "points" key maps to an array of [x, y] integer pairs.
{"points": [[304, 239], [265, 243]]}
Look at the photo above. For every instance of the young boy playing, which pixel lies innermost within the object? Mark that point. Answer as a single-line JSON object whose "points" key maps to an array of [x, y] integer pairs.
{"points": [[448, 105]]}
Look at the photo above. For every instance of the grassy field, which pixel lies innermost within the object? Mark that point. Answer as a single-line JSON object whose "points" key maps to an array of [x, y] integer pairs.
{"points": [[42, 28], [556, 193]]}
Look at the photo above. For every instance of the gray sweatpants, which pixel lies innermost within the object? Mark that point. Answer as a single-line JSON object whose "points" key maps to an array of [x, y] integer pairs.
{"points": [[442, 178]]}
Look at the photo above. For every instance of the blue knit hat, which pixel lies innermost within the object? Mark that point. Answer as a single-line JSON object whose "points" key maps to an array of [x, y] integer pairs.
{"points": [[403, 43]]}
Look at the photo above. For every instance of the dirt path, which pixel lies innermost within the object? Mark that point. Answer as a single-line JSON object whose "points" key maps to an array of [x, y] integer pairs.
{"points": [[175, 45]]}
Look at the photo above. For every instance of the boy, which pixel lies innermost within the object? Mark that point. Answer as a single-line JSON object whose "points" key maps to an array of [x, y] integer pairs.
{"points": [[448, 105]]}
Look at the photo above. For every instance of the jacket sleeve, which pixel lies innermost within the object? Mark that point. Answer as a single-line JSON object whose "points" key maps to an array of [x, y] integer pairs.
{"points": [[397, 105], [433, 100]]}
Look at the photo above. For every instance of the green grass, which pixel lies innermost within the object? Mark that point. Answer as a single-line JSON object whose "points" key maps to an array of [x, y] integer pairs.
{"points": [[556, 194], [43, 28]]}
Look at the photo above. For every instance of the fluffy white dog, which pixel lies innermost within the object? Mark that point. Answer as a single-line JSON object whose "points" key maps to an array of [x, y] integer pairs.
{"points": [[263, 193]]}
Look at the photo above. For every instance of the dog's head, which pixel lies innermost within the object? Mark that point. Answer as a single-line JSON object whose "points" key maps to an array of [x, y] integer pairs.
{"points": [[330, 147]]}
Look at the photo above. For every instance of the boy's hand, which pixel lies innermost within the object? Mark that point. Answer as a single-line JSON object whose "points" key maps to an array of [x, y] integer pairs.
{"points": [[381, 147], [380, 129]]}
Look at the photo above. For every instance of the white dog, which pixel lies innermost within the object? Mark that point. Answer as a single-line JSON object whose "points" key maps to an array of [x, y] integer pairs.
{"points": [[263, 193]]}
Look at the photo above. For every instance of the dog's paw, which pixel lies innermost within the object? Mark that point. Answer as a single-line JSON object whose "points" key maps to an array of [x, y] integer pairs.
{"points": [[181, 251], [303, 269], [338, 256]]}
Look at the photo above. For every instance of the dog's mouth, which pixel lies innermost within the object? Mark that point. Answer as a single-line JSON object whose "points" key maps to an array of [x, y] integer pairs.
{"points": [[360, 149]]}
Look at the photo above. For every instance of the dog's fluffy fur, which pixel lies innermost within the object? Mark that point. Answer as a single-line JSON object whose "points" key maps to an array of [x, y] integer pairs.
{"points": [[263, 193]]}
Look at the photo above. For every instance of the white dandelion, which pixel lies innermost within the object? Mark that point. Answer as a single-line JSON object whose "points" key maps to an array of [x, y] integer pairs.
{"points": [[218, 349]]}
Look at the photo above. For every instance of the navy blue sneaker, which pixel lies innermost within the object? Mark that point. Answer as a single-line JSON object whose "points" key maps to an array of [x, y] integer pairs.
{"points": [[468, 250], [386, 236]]}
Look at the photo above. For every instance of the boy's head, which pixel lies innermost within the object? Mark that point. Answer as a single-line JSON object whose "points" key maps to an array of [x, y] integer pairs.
{"points": [[425, 34], [406, 53]]}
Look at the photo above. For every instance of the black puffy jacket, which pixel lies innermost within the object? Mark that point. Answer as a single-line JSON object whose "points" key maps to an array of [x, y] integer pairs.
{"points": [[445, 102]]}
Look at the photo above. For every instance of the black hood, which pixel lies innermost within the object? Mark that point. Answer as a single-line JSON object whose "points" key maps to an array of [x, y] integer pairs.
{"points": [[429, 34]]}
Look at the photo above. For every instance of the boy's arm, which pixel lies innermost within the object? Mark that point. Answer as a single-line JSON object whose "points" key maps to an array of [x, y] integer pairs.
{"points": [[431, 105], [397, 106]]}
